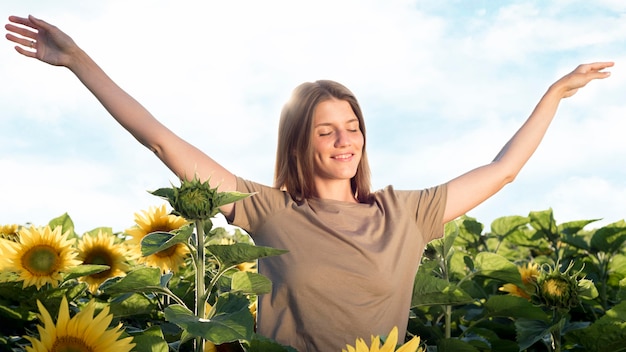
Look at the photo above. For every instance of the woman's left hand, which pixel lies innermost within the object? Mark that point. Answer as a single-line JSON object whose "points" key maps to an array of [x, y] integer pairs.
{"points": [[583, 74]]}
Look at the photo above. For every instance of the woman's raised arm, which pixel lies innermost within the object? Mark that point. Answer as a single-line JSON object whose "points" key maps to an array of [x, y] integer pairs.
{"points": [[45, 42], [472, 188]]}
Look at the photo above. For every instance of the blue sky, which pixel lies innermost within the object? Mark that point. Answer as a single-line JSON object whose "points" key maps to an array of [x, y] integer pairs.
{"points": [[443, 85]]}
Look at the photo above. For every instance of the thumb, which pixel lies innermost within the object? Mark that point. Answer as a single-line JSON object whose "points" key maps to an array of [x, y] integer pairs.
{"points": [[38, 23]]}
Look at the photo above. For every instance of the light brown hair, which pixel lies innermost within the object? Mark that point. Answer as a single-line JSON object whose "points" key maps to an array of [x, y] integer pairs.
{"points": [[294, 152]]}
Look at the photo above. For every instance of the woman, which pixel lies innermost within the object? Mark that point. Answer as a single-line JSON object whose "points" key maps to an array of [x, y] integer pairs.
{"points": [[352, 253]]}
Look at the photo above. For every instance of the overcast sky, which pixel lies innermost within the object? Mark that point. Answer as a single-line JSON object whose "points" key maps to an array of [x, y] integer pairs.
{"points": [[443, 86]]}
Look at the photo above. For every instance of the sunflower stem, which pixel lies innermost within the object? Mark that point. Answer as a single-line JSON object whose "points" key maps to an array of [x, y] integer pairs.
{"points": [[557, 328], [200, 261], [448, 318]]}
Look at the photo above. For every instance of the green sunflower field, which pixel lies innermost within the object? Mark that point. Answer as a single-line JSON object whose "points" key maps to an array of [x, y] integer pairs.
{"points": [[527, 283]]}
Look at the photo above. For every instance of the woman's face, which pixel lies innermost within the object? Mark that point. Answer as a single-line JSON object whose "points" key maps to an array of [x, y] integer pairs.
{"points": [[337, 141]]}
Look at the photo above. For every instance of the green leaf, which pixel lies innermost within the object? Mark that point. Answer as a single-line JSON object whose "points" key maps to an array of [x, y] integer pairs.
{"points": [[469, 263], [237, 253], [160, 241], [459, 264], [513, 307], [610, 238], [504, 345], [455, 345], [543, 221], [527, 237], [488, 339], [444, 245], [469, 233], [570, 233], [85, 270], [230, 322], [140, 280], [471, 227], [165, 193], [150, 340], [497, 267], [577, 241], [263, 344], [250, 283], [573, 227], [530, 331], [587, 289], [606, 334], [15, 314], [132, 304], [223, 198], [66, 224], [621, 293], [506, 225], [430, 290], [617, 268]]}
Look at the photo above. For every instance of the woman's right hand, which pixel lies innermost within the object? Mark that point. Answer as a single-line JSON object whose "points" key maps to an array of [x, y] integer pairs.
{"points": [[41, 40]]}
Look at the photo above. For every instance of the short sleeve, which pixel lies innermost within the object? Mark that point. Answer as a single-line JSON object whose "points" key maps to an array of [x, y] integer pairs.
{"points": [[250, 212], [428, 207]]}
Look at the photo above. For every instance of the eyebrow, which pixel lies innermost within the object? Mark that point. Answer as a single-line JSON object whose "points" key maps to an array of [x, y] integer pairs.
{"points": [[323, 124]]}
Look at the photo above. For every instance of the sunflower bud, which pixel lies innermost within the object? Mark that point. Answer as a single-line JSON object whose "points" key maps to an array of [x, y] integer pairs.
{"points": [[559, 290], [195, 200]]}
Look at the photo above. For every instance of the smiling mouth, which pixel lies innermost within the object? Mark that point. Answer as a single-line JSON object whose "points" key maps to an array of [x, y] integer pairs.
{"points": [[343, 156]]}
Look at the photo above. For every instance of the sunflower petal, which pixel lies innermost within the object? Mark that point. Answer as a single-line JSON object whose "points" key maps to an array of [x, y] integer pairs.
{"points": [[390, 343], [411, 346]]}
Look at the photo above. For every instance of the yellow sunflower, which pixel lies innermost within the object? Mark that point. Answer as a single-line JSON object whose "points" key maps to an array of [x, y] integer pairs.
{"points": [[102, 250], [390, 345], [40, 256], [153, 220], [82, 333], [529, 273], [9, 232]]}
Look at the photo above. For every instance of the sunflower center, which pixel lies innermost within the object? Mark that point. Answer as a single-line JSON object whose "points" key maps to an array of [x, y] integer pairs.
{"points": [[556, 288], [41, 260], [99, 256], [71, 344]]}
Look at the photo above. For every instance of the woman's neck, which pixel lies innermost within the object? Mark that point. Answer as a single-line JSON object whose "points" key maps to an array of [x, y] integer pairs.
{"points": [[339, 190]]}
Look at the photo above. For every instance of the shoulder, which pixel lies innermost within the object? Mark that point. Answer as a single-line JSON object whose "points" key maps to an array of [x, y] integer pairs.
{"points": [[390, 192], [247, 186], [432, 199], [260, 190]]}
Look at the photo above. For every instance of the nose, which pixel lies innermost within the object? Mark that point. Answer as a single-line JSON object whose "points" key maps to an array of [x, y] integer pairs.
{"points": [[343, 139]]}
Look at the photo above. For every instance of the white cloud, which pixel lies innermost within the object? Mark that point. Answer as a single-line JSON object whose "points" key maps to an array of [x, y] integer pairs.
{"points": [[36, 191], [445, 85], [592, 197]]}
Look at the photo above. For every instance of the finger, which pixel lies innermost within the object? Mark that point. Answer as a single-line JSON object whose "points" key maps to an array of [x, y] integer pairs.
{"points": [[27, 42], [589, 75], [21, 20], [597, 66], [606, 63], [21, 31], [602, 74], [24, 52], [37, 23], [594, 74]]}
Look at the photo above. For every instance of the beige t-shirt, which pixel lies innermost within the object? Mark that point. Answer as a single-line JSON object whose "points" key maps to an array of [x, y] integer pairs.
{"points": [[350, 267]]}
